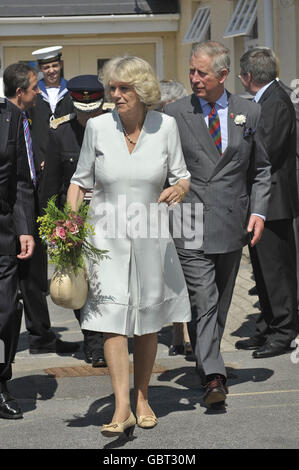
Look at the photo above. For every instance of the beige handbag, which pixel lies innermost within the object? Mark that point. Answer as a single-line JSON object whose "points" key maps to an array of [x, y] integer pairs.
{"points": [[69, 290]]}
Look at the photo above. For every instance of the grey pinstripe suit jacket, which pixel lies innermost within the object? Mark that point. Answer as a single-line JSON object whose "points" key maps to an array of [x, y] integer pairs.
{"points": [[230, 186]]}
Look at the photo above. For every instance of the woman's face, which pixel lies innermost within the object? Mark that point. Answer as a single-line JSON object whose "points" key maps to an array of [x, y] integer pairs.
{"points": [[124, 96]]}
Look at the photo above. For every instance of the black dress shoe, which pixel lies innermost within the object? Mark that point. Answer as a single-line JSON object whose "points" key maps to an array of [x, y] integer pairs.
{"points": [[251, 343], [98, 359], [270, 350], [176, 349], [216, 391], [57, 346], [9, 408], [87, 355]]}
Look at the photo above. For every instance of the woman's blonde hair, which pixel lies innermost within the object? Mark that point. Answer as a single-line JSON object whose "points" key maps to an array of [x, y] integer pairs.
{"points": [[136, 72]]}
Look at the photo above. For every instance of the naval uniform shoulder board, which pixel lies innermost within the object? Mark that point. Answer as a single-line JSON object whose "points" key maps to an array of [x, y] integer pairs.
{"points": [[54, 123]]}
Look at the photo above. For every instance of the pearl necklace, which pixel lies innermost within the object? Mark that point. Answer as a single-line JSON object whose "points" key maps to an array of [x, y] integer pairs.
{"points": [[127, 136]]}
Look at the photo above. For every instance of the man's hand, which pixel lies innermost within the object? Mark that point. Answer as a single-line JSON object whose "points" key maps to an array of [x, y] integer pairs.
{"points": [[255, 227], [27, 246]]}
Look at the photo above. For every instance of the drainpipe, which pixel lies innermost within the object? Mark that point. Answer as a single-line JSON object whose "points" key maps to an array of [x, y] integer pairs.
{"points": [[268, 15]]}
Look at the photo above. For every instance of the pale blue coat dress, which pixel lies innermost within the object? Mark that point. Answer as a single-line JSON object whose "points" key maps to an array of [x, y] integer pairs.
{"points": [[141, 287]]}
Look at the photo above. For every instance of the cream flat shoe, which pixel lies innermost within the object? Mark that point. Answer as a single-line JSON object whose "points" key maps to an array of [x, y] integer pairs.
{"points": [[116, 429], [147, 422]]}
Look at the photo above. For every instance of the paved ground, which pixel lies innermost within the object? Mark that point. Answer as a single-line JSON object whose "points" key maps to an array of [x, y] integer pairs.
{"points": [[66, 413]]}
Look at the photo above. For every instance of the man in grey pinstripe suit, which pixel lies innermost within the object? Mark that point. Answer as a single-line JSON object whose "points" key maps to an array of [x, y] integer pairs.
{"points": [[230, 177]]}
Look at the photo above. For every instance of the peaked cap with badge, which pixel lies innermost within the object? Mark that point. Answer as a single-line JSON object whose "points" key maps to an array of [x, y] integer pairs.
{"points": [[87, 92]]}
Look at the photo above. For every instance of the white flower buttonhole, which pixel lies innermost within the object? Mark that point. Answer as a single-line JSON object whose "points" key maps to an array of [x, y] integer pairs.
{"points": [[240, 120]]}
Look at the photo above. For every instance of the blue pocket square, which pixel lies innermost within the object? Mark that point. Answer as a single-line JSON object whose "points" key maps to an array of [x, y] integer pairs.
{"points": [[248, 131]]}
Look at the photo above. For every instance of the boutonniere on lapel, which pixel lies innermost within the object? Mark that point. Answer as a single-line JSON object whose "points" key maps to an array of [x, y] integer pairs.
{"points": [[239, 119], [29, 122]]}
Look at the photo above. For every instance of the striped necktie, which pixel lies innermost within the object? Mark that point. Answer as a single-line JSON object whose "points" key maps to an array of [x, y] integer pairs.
{"points": [[29, 148], [214, 127]]}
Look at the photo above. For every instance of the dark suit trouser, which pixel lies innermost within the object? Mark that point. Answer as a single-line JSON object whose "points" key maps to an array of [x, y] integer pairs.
{"points": [[10, 314], [210, 280], [274, 266], [93, 340], [296, 232], [33, 275]]}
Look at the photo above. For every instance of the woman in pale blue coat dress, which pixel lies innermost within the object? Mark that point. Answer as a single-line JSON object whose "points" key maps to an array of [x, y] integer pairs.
{"points": [[126, 157]]}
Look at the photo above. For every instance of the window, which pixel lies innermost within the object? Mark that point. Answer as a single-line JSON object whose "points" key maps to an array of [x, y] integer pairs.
{"points": [[243, 19], [199, 29]]}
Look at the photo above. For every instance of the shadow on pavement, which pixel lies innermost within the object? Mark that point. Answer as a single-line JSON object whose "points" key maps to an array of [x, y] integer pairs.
{"points": [[187, 376], [247, 328], [31, 388], [23, 342]]}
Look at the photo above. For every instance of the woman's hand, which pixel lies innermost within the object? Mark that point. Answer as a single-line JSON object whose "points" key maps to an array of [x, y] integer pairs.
{"points": [[75, 196], [172, 195]]}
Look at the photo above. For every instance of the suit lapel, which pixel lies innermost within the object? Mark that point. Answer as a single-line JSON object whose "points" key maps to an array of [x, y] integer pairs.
{"points": [[197, 125]]}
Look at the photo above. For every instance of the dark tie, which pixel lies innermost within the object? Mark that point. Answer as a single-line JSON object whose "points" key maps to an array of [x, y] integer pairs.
{"points": [[29, 148], [214, 127]]}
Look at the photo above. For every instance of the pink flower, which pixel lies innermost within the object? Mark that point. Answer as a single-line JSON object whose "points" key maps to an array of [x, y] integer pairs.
{"points": [[61, 233], [77, 219], [74, 229]]}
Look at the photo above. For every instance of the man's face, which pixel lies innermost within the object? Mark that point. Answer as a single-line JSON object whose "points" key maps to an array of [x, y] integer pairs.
{"points": [[27, 98], [203, 80], [52, 72]]}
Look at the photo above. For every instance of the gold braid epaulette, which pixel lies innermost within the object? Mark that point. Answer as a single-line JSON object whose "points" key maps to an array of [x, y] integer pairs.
{"points": [[54, 123]]}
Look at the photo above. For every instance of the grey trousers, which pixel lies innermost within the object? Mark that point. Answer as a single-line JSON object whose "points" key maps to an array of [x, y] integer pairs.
{"points": [[210, 280]]}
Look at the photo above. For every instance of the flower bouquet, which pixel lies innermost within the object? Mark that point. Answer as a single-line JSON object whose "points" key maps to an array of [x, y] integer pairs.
{"points": [[65, 233]]}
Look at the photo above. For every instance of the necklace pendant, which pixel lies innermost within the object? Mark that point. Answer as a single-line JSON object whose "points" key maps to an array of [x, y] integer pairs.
{"points": [[128, 138]]}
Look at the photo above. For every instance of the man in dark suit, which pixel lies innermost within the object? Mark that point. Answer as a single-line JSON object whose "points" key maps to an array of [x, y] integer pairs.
{"points": [[294, 99], [274, 258], [230, 179], [16, 230], [66, 137], [21, 88]]}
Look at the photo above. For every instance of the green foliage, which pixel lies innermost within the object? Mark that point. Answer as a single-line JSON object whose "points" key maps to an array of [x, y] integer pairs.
{"points": [[65, 233]]}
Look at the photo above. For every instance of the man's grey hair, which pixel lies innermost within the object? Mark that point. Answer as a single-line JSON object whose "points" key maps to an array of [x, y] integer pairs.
{"points": [[261, 63], [218, 52], [171, 90]]}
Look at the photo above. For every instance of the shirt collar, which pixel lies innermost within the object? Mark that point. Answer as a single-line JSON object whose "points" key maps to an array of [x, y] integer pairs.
{"points": [[262, 91], [222, 102]]}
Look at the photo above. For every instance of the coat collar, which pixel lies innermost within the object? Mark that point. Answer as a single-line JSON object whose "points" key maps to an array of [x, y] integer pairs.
{"points": [[268, 91], [62, 90]]}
